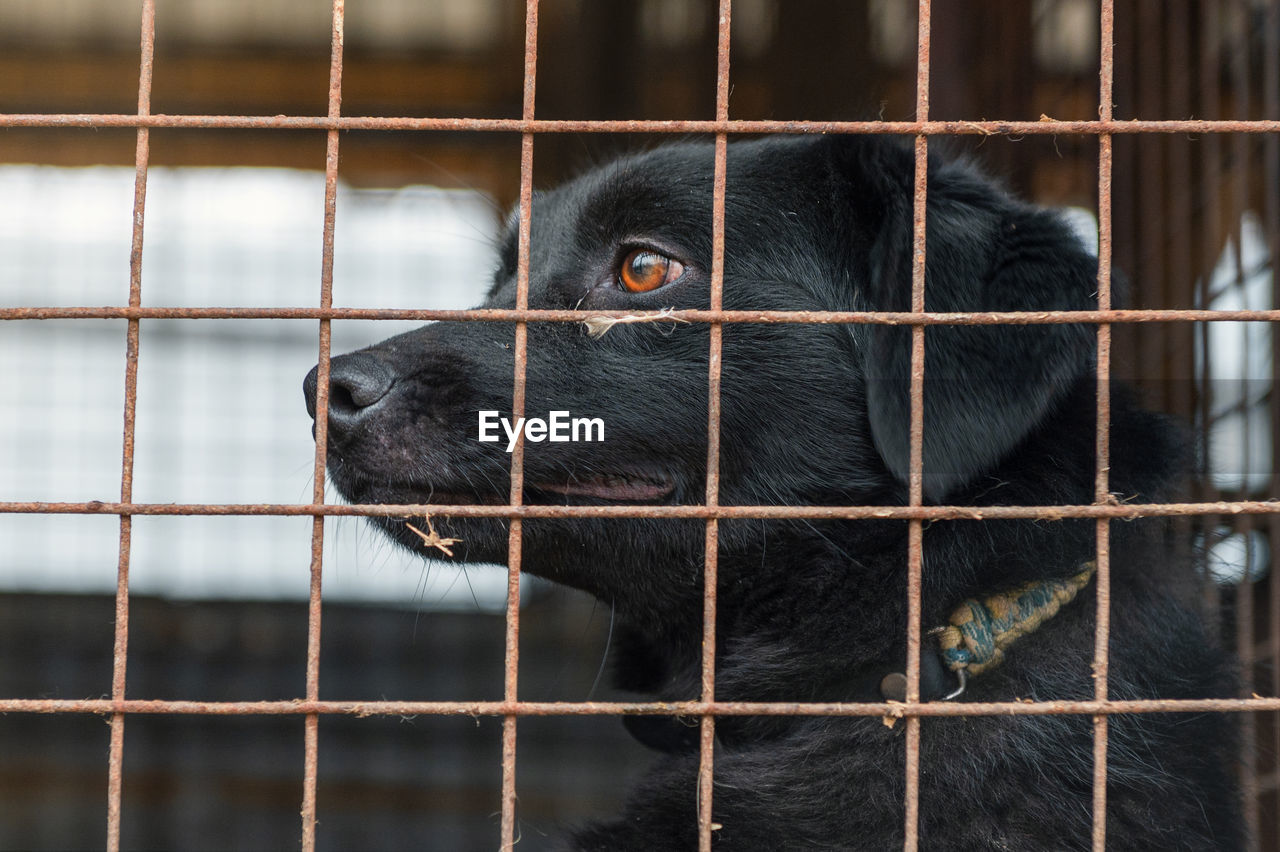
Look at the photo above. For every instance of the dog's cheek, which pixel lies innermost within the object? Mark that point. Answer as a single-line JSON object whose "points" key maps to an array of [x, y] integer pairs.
{"points": [[794, 426]]}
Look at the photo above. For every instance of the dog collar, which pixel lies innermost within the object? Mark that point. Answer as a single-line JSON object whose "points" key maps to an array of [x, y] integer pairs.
{"points": [[980, 631]]}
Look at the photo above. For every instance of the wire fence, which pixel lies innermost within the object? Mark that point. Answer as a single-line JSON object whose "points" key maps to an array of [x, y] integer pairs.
{"points": [[119, 707]]}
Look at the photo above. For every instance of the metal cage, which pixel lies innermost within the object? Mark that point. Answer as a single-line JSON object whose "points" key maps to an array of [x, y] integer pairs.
{"points": [[1251, 610]]}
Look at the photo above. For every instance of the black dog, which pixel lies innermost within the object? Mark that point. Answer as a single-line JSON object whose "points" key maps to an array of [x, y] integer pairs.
{"points": [[818, 415]]}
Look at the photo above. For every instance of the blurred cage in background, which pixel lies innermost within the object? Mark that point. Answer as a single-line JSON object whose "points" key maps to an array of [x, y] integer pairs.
{"points": [[234, 219]]}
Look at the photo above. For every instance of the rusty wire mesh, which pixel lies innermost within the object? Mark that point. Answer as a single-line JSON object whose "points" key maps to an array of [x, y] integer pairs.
{"points": [[1104, 508]]}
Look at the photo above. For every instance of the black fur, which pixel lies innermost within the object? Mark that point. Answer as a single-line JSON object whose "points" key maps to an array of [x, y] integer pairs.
{"points": [[817, 415]]}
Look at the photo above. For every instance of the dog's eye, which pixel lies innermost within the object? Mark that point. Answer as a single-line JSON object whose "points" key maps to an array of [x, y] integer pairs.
{"points": [[644, 270]]}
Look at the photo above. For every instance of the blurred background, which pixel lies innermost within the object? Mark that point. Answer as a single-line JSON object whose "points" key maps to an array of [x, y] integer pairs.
{"points": [[234, 218]]}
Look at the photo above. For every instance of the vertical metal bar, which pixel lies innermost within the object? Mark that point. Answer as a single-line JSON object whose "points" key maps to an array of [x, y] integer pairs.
{"points": [[1106, 75], [1243, 524], [915, 481], [1180, 244], [142, 154], [311, 723], [707, 731], [1271, 214], [515, 531], [1211, 226], [1150, 76]]}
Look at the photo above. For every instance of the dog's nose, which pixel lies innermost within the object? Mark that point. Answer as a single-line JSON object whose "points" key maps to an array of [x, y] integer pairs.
{"points": [[356, 383]]}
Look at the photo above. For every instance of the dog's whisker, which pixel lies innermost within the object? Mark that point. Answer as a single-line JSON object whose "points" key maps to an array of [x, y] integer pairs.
{"points": [[604, 655]]}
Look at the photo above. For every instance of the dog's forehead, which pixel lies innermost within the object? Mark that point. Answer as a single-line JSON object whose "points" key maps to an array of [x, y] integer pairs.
{"points": [[663, 191], [666, 191]]}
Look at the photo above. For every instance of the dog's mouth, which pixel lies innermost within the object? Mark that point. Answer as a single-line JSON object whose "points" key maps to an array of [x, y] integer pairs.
{"points": [[630, 487], [614, 487]]}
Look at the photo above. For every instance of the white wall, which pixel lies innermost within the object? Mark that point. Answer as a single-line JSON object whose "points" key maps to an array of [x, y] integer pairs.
{"points": [[220, 409]]}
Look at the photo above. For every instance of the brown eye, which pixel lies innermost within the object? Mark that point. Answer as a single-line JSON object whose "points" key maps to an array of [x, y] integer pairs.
{"points": [[644, 270]]}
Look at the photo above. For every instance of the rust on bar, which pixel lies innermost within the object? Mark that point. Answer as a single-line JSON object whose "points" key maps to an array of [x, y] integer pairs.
{"points": [[915, 468], [142, 153], [675, 315], [1045, 127], [363, 709], [1121, 511], [515, 531], [710, 573], [311, 724], [1102, 491]]}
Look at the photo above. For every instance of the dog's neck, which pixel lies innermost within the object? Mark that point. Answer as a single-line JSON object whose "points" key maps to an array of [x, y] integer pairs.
{"points": [[854, 578]]}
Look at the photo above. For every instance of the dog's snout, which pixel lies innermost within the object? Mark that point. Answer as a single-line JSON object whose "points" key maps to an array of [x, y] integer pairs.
{"points": [[356, 383]]}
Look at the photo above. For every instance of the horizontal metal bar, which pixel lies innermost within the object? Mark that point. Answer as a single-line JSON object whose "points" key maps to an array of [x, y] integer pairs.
{"points": [[681, 315], [299, 707], [829, 513], [1045, 126]]}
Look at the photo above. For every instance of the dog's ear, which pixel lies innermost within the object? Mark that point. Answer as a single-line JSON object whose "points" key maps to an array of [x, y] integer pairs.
{"points": [[986, 387]]}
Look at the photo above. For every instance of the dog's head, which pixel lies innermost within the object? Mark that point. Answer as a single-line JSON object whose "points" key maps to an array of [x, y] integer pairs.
{"points": [[810, 413]]}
